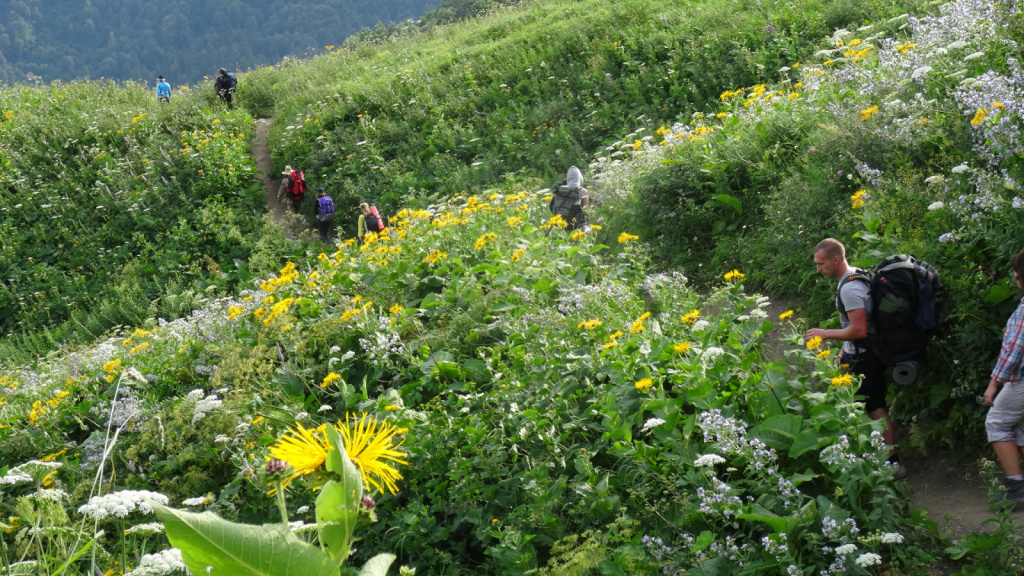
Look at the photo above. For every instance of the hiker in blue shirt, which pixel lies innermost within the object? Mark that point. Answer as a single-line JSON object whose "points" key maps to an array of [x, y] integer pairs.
{"points": [[163, 90]]}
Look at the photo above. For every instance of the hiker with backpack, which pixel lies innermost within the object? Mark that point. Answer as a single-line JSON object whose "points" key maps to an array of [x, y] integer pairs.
{"points": [[225, 87], [324, 214], [293, 185], [1004, 423], [853, 300], [370, 220], [163, 90], [569, 198]]}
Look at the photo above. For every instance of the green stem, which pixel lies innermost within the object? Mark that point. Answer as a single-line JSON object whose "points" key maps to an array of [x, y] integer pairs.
{"points": [[280, 502]]}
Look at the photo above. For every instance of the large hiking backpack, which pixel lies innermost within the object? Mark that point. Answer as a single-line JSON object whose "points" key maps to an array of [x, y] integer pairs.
{"points": [[325, 212], [565, 202], [909, 307], [232, 81], [382, 222], [297, 185]]}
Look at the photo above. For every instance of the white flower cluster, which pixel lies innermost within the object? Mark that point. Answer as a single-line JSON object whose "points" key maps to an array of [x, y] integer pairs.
{"points": [[54, 495], [145, 529], [651, 423], [868, 559], [161, 563], [892, 538], [846, 549], [203, 406], [29, 471], [121, 504], [197, 501], [712, 353], [708, 460]]}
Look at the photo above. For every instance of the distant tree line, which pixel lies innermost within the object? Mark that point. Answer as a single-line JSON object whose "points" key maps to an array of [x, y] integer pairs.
{"points": [[184, 40]]}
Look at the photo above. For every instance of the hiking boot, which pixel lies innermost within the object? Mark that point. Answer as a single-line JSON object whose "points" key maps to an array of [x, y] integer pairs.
{"points": [[900, 473], [1014, 491]]}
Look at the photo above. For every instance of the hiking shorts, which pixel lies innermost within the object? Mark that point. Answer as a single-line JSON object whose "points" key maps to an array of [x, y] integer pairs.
{"points": [[872, 386], [1005, 420]]}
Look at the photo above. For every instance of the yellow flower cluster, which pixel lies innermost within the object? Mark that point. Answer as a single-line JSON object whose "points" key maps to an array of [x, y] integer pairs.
{"points": [[517, 255], [627, 237], [435, 257], [612, 343], [483, 240], [979, 116], [643, 384], [867, 113], [813, 343], [277, 309], [638, 324], [681, 347], [330, 379], [577, 235], [514, 221], [858, 199], [786, 314], [234, 312], [690, 317], [734, 275], [589, 324], [555, 221], [843, 380], [288, 275]]}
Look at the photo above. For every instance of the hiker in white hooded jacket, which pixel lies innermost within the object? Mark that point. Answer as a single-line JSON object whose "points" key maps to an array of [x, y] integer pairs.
{"points": [[569, 199]]}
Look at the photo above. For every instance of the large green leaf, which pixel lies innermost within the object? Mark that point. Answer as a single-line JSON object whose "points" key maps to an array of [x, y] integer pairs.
{"points": [[779, 431], [207, 540], [337, 506], [378, 565], [730, 201]]}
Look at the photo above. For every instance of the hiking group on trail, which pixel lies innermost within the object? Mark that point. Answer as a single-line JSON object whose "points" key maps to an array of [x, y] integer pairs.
{"points": [[224, 85]]}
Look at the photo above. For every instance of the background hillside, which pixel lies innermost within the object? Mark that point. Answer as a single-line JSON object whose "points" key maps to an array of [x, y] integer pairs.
{"points": [[183, 40]]}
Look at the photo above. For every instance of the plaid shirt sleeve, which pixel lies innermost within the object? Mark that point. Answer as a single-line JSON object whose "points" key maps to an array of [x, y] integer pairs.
{"points": [[1010, 367]]}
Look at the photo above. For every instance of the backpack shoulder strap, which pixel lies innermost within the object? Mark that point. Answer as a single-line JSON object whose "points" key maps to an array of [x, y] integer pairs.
{"points": [[860, 275]]}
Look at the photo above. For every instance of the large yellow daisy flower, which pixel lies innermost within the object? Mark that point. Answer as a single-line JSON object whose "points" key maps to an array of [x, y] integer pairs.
{"points": [[369, 443], [370, 447]]}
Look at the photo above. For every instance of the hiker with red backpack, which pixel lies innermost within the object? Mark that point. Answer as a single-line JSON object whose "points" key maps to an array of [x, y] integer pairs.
{"points": [[369, 221], [294, 185]]}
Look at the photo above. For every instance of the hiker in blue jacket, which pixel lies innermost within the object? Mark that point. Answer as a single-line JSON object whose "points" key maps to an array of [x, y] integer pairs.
{"points": [[324, 214], [163, 90], [225, 87]]}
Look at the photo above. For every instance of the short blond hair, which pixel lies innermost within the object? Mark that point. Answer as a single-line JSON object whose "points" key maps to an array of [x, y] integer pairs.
{"points": [[831, 248], [364, 207]]}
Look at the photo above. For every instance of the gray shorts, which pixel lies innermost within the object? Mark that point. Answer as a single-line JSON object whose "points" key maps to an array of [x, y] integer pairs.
{"points": [[1005, 420]]}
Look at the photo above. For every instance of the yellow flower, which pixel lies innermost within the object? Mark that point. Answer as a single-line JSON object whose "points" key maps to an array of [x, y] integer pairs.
{"points": [[643, 384], [555, 221], [611, 345], [860, 194], [396, 309], [234, 312], [824, 354], [998, 105], [139, 348], [112, 366], [826, 63], [369, 447], [577, 235], [615, 335], [867, 113], [483, 240], [844, 380], [638, 324], [517, 255], [589, 324], [786, 314], [734, 275], [626, 237], [979, 116], [305, 450], [514, 221], [435, 257], [857, 204], [813, 342], [595, 227], [690, 318], [637, 144], [681, 347], [328, 380]]}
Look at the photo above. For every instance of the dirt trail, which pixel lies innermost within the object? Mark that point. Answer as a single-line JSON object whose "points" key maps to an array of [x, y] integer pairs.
{"points": [[295, 226], [261, 152]]}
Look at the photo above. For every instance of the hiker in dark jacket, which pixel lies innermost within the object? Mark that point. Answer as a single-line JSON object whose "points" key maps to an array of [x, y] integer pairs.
{"points": [[568, 200], [225, 87]]}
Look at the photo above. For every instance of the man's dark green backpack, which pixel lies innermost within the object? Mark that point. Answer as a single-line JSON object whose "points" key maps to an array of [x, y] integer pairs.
{"points": [[909, 307]]}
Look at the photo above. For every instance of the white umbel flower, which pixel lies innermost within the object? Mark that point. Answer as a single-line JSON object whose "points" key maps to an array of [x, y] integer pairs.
{"points": [[120, 504], [708, 460]]}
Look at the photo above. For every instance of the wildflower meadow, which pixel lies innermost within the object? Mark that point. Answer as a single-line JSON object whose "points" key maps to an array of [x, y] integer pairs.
{"points": [[479, 389]]}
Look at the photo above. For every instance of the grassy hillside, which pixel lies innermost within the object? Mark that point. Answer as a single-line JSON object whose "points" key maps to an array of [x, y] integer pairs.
{"points": [[114, 209], [617, 400]]}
